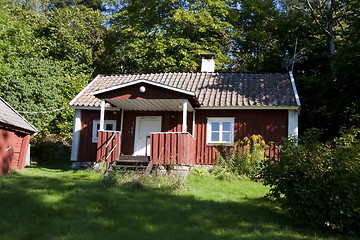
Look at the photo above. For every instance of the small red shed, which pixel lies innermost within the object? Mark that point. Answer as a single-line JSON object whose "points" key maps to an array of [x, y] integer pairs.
{"points": [[15, 133]]}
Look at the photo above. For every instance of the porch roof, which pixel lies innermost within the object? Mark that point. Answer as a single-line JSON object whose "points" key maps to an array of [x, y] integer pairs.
{"points": [[210, 90]]}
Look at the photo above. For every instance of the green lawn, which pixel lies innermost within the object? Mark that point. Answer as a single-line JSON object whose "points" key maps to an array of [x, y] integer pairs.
{"points": [[52, 203]]}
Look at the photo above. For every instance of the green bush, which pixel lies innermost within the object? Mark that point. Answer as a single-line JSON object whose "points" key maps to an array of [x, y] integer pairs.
{"points": [[318, 183], [244, 158]]}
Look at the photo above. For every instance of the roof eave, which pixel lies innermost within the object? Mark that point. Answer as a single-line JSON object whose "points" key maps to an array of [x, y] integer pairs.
{"points": [[143, 81]]}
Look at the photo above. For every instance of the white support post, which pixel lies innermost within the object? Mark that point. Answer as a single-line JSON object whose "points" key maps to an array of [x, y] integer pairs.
{"points": [[184, 128], [193, 125], [122, 121], [102, 114], [121, 128], [76, 136]]}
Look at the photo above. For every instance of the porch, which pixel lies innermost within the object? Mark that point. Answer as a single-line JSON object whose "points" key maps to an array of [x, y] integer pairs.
{"points": [[154, 123], [166, 148]]}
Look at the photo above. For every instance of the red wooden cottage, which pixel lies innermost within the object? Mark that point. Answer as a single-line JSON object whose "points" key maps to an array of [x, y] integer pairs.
{"points": [[178, 118], [15, 133]]}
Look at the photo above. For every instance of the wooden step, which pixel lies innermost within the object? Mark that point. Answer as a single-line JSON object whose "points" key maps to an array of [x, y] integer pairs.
{"points": [[133, 159], [132, 163]]}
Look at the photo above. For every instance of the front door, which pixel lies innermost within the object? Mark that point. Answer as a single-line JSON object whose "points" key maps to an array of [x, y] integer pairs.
{"points": [[144, 126]]}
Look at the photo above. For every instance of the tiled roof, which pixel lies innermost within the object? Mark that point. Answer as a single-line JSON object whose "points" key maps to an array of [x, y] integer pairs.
{"points": [[211, 89], [10, 116]]}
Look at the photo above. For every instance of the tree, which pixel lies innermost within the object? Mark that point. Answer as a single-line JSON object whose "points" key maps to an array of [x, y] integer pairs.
{"points": [[46, 59], [163, 36]]}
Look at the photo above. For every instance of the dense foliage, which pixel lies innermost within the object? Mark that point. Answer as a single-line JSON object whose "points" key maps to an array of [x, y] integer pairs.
{"points": [[243, 159], [46, 57], [319, 183], [49, 50]]}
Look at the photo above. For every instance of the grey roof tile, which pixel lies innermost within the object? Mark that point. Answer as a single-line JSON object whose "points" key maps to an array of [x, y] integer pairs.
{"points": [[211, 89], [10, 116]]}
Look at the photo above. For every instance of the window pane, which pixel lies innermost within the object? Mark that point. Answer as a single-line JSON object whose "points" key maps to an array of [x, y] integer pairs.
{"points": [[108, 126], [226, 136], [215, 136], [215, 126], [226, 126]]}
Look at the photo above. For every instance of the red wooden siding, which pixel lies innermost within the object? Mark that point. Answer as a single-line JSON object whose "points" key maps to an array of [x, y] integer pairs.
{"points": [[13, 158], [271, 124], [87, 149], [172, 148], [152, 92], [103, 139]]}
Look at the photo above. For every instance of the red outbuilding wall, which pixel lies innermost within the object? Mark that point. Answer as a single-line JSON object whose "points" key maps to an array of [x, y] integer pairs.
{"points": [[13, 149]]}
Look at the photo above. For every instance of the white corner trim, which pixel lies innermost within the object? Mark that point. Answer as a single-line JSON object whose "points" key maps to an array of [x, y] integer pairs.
{"points": [[293, 123], [143, 81], [76, 136], [82, 91], [294, 88]]}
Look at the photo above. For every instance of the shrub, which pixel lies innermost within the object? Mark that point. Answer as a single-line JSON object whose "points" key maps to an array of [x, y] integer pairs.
{"points": [[318, 183], [242, 159], [198, 171]]}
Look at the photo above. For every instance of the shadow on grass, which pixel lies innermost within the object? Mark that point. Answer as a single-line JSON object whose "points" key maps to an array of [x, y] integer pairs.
{"points": [[53, 208], [50, 154]]}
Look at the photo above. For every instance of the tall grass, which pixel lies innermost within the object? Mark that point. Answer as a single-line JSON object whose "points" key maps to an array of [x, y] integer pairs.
{"points": [[51, 203]]}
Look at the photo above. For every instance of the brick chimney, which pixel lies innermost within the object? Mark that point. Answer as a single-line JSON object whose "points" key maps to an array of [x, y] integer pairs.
{"points": [[207, 62]]}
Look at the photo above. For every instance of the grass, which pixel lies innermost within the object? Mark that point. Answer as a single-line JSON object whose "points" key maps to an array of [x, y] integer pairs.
{"points": [[50, 202]]}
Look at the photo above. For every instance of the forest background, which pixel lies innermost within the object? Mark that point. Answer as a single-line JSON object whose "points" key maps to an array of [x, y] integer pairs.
{"points": [[50, 50]]}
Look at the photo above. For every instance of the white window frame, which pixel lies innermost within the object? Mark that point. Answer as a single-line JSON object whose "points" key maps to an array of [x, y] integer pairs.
{"points": [[220, 120], [95, 130]]}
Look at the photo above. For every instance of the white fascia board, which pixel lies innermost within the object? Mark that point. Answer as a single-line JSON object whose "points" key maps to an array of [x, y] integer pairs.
{"points": [[250, 108], [143, 81], [94, 108], [294, 88], [82, 91]]}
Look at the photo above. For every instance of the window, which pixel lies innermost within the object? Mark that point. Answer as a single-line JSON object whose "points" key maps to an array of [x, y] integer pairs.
{"points": [[220, 130], [109, 125]]}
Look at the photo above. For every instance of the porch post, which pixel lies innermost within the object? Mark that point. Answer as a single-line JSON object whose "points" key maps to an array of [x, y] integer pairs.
{"points": [[121, 128], [184, 128], [193, 125], [102, 114]]}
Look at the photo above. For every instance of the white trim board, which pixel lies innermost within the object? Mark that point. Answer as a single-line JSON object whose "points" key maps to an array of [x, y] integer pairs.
{"points": [[76, 136], [294, 88], [143, 81]]}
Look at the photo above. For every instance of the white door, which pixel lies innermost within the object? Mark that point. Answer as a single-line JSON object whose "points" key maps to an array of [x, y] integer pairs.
{"points": [[144, 126]]}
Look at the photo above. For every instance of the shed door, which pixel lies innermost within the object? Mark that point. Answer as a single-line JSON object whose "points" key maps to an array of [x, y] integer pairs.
{"points": [[144, 126], [6, 151]]}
